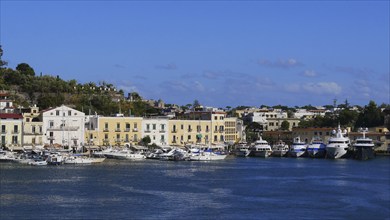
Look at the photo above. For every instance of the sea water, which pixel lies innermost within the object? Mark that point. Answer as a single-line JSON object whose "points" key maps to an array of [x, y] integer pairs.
{"points": [[235, 188]]}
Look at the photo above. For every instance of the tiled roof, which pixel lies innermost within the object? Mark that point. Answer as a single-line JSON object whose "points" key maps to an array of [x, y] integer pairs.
{"points": [[11, 115]]}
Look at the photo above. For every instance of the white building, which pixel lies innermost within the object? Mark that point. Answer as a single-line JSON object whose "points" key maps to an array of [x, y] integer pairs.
{"points": [[157, 129], [63, 126]]}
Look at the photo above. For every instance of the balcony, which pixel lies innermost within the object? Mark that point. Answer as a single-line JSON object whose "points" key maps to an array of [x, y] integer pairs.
{"points": [[64, 128], [162, 131], [118, 130], [221, 130], [198, 130], [51, 138], [118, 140], [174, 131], [127, 130], [207, 130], [105, 130], [135, 129], [147, 131], [4, 132], [106, 140], [189, 129], [15, 132]]}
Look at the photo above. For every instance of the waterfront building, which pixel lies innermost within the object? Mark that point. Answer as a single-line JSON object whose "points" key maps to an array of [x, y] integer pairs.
{"points": [[157, 129], [306, 134], [115, 130], [204, 127], [32, 129], [6, 104], [11, 131], [63, 126]]}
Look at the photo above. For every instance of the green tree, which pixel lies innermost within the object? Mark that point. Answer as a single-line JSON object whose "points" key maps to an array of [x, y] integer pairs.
{"points": [[25, 69], [371, 116], [2, 62], [285, 126], [145, 141]]}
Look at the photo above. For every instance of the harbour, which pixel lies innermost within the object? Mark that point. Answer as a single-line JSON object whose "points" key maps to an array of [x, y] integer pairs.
{"points": [[234, 188]]}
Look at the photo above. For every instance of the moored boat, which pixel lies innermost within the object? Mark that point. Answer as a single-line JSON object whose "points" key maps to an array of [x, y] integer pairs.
{"points": [[338, 144], [316, 148], [364, 147], [260, 148], [241, 149], [298, 148], [280, 149]]}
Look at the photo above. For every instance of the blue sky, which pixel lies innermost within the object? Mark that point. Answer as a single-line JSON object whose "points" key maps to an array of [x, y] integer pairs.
{"points": [[219, 52]]}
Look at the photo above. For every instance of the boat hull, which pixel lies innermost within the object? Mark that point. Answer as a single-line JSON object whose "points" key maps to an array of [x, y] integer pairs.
{"points": [[364, 153], [336, 152]]}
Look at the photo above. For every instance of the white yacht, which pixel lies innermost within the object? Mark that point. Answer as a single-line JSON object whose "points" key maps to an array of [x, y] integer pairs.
{"points": [[298, 148], [82, 160], [242, 149], [260, 148], [364, 147], [316, 148], [280, 149], [206, 153], [338, 144]]}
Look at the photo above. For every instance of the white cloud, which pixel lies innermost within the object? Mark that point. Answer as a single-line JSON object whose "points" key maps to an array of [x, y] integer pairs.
{"points": [[281, 63], [322, 88], [309, 73]]}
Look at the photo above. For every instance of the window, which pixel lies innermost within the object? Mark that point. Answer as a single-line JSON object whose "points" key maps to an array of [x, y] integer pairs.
{"points": [[2, 128], [127, 138], [33, 140], [198, 128], [182, 127], [15, 129], [162, 127], [181, 138], [127, 126], [135, 125], [221, 117], [154, 137], [147, 127], [174, 128], [51, 124], [162, 138], [215, 138], [57, 113], [69, 113], [14, 139], [33, 129], [221, 138], [189, 137], [27, 119], [118, 126], [106, 136], [215, 117], [154, 126]]}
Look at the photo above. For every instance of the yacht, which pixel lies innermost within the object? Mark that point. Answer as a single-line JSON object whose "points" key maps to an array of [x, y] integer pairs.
{"points": [[298, 148], [280, 149], [83, 160], [338, 144], [316, 148], [364, 147], [199, 153], [242, 149], [260, 148]]}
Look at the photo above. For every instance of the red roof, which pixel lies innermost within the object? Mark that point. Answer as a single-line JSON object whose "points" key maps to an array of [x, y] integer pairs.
{"points": [[11, 115]]}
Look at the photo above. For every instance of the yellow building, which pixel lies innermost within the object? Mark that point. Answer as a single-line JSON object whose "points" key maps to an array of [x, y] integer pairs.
{"points": [[203, 128], [114, 131], [32, 128], [11, 131]]}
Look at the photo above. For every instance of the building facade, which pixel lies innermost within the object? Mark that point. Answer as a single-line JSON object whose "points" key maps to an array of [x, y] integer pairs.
{"points": [[113, 131], [11, 125], [32, 129], [63, 126]]}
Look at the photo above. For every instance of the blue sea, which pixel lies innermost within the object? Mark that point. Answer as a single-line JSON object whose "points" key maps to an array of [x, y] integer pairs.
{"points": [[235, 188]]}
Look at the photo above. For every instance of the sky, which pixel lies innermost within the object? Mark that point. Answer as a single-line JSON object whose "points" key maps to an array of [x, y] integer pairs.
{"points": [[221, 53]]}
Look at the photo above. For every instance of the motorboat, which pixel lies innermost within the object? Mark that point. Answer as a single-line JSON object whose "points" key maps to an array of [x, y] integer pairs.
{"points": [[280, 149], [298, 148], [260, 148], [316, 148], [55, 159], [364, 147], [175, 154], [338, 144], [83, 160], [242, 149]]}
